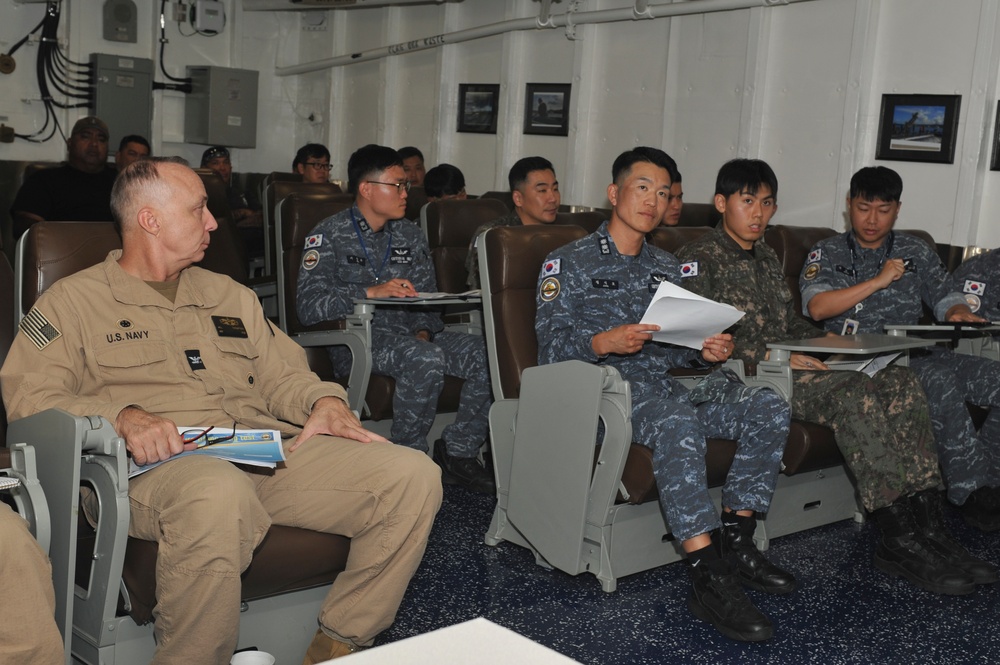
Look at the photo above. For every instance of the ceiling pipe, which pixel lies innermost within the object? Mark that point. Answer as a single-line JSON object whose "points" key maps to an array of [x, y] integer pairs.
{"points": [[642, 10]]}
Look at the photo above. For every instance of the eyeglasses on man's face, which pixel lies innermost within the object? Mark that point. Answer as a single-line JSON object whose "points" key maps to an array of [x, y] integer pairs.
{"points": [[400, 186], [319, 166]]}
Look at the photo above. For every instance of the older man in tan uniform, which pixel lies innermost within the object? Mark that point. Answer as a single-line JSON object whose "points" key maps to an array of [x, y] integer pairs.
{"points": [[26, 585], [150, 343]]}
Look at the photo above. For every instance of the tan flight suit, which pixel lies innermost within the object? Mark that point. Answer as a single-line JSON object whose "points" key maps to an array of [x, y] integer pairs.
{"points": [[28, 632], [102, 340]]}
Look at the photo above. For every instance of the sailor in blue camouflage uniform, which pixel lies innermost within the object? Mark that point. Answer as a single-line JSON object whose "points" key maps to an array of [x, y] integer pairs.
{"points": [[882, 423], [591, 293], [370, 251], [871, 276], [978, 279]]}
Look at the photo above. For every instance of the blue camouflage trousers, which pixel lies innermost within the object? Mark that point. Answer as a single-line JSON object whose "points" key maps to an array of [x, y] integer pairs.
{"points": [[969, 460], [676, 430], [418, 368]]}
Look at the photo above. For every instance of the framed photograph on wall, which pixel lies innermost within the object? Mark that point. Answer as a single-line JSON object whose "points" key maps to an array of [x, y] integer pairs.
{"points": [[918, 128], [546, 108], [478, 104]]}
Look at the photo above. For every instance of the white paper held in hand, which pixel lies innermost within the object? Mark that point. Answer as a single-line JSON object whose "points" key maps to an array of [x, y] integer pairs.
{"points": [[685, 318]]}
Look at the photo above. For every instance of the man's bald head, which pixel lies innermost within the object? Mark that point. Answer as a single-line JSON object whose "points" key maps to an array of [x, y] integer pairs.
{"points": [[139, 184]]}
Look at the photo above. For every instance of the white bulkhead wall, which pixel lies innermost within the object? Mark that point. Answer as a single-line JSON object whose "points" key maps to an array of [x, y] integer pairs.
{"points": [[798, 85]]}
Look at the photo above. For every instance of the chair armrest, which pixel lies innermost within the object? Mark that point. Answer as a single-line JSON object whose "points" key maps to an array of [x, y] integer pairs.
{"points": [[775, 374], [60, 440], [29, 498], [354, 332]]}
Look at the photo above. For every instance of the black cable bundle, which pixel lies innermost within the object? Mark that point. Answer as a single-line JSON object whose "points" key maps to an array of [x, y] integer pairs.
{"points": [[163, 44], [70, 79]]}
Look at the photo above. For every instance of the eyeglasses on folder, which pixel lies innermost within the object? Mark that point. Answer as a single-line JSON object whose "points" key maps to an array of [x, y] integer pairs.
{"points": [[204, 437]]}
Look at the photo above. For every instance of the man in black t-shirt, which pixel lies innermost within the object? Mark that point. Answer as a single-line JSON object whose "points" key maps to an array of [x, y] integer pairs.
{"points": [[79, 190]]}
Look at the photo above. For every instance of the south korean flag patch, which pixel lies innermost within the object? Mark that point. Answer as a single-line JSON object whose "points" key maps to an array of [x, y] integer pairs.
{"points": [[814, 256], [314, 241], [551, 267], [974, 287], [689, 269]]}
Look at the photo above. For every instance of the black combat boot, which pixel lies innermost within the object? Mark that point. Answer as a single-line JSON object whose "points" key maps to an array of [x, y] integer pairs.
{"points": [[716, 597], [752, 568], [981, 509], [926, 507], [902, 551], [464, 471]]}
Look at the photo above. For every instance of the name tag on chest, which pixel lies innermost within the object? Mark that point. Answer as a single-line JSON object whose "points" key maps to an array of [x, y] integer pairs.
{"points": [[401, 255], [604, 283]]}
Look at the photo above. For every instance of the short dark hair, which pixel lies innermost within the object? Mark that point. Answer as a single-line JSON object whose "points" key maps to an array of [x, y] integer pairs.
{"points": [[876, 183], [409, 151], [641, 154], [134, 138], [739, 175], [675, 177], [369, 160], [310, 151], [518, 174], [444, 180]]}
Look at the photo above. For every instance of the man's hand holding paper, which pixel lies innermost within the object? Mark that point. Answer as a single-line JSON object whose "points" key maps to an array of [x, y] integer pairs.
{"points": [[687, 319]]}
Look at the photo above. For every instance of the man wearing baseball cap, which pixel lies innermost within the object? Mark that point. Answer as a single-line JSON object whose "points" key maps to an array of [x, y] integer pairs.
{"points": [[77, 191]]}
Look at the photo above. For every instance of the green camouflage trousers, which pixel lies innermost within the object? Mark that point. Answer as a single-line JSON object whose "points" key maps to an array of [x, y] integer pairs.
{"points": [[882, 425]]}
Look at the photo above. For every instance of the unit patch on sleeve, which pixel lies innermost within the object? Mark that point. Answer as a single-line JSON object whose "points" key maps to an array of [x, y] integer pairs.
{"points": [[974, 302], [811, 271], [310, 259], [230, 326], [689, 269], [548, 289], [38, 329]]}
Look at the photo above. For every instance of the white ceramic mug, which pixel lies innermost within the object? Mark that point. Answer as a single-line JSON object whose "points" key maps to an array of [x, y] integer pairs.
{"points": [[252, 658]]}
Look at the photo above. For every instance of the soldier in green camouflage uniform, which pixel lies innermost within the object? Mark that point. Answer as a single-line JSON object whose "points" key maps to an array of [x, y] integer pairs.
{"points": [[882, 423]]}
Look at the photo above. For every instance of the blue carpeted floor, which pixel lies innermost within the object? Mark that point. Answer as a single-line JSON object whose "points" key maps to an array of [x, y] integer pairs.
{"points": [[844, 611]]}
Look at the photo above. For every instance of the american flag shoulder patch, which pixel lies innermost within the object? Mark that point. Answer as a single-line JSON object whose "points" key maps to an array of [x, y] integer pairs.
{"points": [[38, 329]]}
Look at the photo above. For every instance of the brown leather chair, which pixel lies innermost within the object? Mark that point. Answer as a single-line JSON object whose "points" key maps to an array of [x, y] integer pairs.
{"points": [[511, 258], [298, 214], [288, 560], [416, 199], [589, 220], [450, 225], [275, 188], [699, 214], [506, 197]]}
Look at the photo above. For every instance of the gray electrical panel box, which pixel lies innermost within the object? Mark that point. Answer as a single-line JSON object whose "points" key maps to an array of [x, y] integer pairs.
{"points": [[123, 95], [222, 107]]}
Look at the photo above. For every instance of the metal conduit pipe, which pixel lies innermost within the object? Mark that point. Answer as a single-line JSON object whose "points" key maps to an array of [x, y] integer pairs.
{"points": [[640, 11]]}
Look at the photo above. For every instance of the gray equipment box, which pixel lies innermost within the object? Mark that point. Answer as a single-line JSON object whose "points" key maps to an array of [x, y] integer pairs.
{"points": [[222, 107], [123, 95]]}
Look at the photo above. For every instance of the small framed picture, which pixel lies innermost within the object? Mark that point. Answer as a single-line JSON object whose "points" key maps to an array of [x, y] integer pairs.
{"points": [[546, 108], [918, 128], [478, 104]]}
